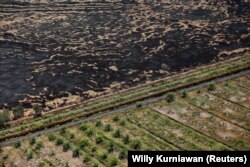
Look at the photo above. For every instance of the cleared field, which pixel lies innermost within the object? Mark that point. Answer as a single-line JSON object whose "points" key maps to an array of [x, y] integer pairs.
{"points": [[201, 119]]}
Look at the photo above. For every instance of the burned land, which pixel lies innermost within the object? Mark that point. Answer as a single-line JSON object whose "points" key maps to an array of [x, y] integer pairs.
{"points": [[55, 53]]}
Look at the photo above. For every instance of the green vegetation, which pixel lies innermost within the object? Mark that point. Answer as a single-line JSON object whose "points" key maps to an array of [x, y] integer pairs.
{"points": [[29, 154], [39, 145], [76, 152], [170, 97], [17, 144], [18, 112], [4, 117], [136, 144], [38, 110], [211, 87], [51, 137], [66, 146], [32, 141]]}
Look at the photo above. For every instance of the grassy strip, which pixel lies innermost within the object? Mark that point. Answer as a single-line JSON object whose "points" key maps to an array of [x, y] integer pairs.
{"points": [[192, 78]]}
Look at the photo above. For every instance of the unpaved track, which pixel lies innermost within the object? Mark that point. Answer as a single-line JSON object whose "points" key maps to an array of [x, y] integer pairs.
{"points": [[119, 110]]}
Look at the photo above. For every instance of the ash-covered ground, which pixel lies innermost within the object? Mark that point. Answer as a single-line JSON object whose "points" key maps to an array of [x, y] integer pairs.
{"points": [[55, 53]]}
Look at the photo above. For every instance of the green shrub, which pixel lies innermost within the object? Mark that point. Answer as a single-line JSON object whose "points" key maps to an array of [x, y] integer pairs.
{"points": [[113, 162], [95, 165], [5, 156], [76, 152], [98, 123], [32, 141], [38, 110], [211, 87], [126, 139], [116, 119], [170, 97], [65, 146], [39, 145], [18, 112], [51, 137], [63, 130], [86, 158], [17, 144], [29, 154], [184, 94], [4, 117], [138, 105], [98, 139], [72, 136], [93, 149], [110, 147], [89, 132], [122, 154], [117, 133], [103, 155], [83, 127], [84, 143], [59, 141], [136, 144], [122, 122], [107, 128]]}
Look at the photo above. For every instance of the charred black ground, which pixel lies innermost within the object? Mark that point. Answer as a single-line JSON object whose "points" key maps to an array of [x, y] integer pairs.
{"points": [[50, 50]]}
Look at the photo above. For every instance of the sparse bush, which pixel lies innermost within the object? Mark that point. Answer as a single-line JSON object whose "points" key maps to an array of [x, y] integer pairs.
{"points": [[98, 123], [17, 144], [98, 139], [211, 87], [170, 97], [51, 137], [65, 146], [89, 132], [122, 154], [138, 105], [95, 164], [116, 119], [107, 128], [110, 147], [5, 156], [32, 141], [39, 145], [86, 158], [93, 149], [126, 139], [84, 143], [59, 141], [29, 154], [103, 155], [76, 152], [72, 136], [136, 144], [117, 133], [113, 162], [63, 130], [18, 112], [83, 127], [4, 117], [184, 94], [38, 110], [122, 122]]}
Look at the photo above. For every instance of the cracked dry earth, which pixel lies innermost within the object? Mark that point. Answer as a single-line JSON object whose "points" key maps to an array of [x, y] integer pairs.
{"points": [[61, 53]]}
